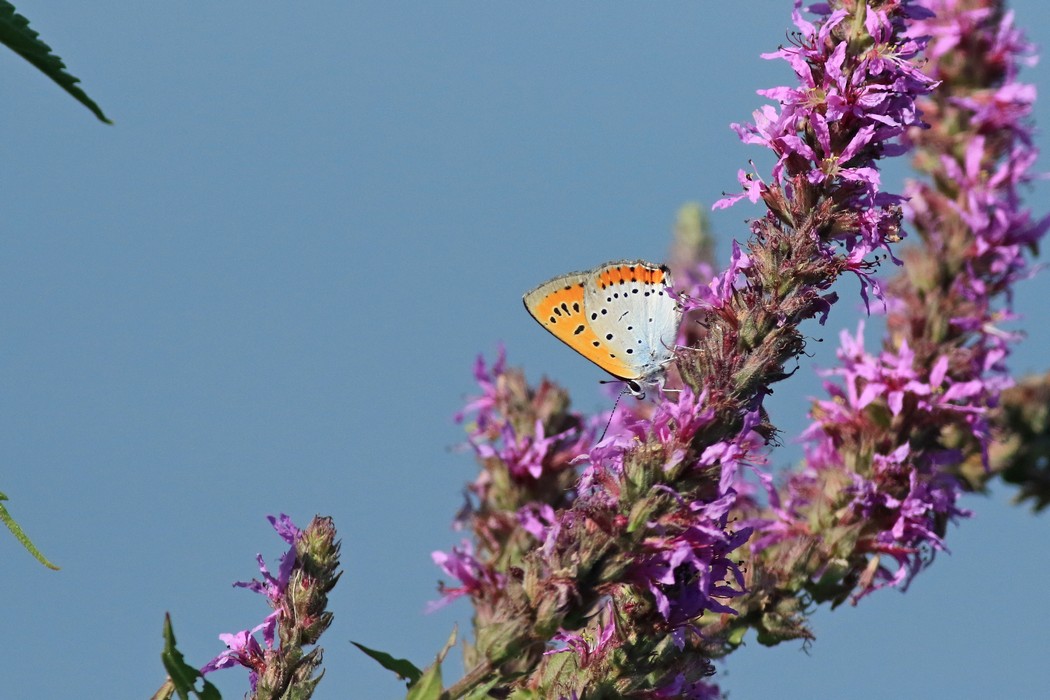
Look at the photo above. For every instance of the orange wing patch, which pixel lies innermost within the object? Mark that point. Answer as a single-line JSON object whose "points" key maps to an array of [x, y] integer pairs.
{"points": [[559, 308], [630, 272]]}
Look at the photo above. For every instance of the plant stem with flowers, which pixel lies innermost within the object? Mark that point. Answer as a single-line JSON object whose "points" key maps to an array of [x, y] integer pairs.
{"points": [[621, 565], [630, 582], [282, 667], [906, 431]]}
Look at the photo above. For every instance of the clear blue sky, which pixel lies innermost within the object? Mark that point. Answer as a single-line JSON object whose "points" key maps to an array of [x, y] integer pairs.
{"points": [[262, 290]]}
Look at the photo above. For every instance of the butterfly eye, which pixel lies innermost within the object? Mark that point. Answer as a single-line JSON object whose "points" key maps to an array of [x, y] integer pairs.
{"points": [[636, 389]]}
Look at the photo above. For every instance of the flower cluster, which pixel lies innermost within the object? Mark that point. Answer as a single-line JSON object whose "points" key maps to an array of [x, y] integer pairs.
{"points": [[298, 595], [527, 440], [901, 427], [830, 129], [619, 555], [630, 568], [617, 563]]}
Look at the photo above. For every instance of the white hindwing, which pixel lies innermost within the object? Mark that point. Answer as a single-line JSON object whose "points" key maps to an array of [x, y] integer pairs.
{"points": [[639, 317]]}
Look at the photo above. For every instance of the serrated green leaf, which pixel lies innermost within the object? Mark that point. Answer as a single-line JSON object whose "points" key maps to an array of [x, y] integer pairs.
{"points": [[21, 536], [404, 668], [183, 677], [16, 35]]}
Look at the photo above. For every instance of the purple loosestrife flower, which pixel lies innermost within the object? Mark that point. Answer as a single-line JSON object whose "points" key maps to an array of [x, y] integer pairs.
{"points": [[843, 115], [682, 554], [590, 649], [287, 530], [998, 161], [687, 570], [475, 576], [522, 454], [650, 537], [499, 433], [241, 650], [484, 405], [274, 588], [527, 440], [681, 688], [298, 596], [902, 427], [242, 647], [537, 520]]}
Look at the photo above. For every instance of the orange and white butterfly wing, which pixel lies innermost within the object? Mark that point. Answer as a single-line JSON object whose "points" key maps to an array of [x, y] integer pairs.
{"points": [[560, 306], [635, 315], [621, 316]]}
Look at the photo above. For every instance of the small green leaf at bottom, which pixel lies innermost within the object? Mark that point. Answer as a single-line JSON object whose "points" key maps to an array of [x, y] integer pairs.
{"points": [[429, 685], [183, 676]]}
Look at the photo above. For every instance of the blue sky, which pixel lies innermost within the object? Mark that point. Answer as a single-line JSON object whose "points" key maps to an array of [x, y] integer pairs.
{"points": [[263, 288]]}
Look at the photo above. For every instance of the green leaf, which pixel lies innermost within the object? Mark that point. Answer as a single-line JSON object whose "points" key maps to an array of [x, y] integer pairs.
{"points": [[21, 536], [182, 676], [481, 692], [404, 669], [428, 687], [16, 35]]}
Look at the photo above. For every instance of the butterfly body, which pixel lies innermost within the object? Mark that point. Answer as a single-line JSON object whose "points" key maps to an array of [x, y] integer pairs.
{"points": [[622, 316]]}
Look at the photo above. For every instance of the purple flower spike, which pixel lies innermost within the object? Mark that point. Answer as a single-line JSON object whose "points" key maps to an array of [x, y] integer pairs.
{"points": [[624, 566], [918, 411], [298, 596]]}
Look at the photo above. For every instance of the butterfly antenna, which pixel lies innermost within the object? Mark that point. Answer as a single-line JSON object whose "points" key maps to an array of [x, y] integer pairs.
{"points": [[611, 414]]}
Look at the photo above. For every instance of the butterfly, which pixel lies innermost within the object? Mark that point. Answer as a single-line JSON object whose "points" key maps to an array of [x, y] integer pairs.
{"points": [[622, 316]]}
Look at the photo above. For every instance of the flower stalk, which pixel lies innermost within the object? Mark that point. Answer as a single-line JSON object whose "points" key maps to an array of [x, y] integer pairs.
{"points": [[905, 432], [283, 666], [629, 580]]}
